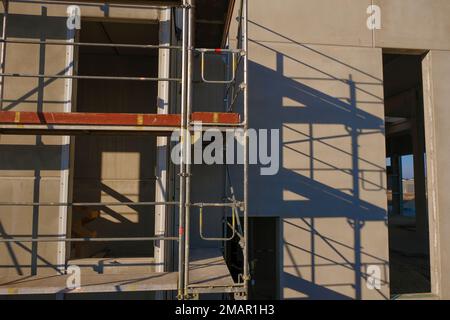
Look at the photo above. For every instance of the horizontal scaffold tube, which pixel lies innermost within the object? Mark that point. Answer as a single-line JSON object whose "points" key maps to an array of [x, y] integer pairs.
{"points": [[85, 204], [50, 239], [63, 76], [138, 4], [90, 44]]}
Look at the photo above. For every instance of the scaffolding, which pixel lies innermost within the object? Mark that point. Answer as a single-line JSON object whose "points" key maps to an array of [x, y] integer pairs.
{"points": [[185, 279]]}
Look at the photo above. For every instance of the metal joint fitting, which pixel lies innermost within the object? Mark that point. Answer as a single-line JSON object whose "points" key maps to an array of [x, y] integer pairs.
{"points": [[185, 175], [191, 296]]}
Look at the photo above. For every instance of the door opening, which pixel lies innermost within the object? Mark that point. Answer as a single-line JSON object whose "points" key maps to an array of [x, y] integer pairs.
{"points": [[263, 258], [409, 253], [115, 168]]}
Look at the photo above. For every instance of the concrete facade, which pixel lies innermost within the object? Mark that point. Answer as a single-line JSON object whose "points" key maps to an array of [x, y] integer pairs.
{"points": [[436, 77], [327, 102], [316, 74], [35, 168]]}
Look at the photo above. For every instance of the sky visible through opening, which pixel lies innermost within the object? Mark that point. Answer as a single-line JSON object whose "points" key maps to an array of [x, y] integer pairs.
{"points": [[407, 166]]}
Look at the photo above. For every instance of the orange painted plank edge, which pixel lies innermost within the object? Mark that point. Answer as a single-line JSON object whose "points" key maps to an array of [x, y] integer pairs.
{"points": [[216, 117], [126, 119]]}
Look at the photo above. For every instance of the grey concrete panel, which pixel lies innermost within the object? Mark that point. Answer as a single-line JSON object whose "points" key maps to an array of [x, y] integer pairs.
{"points": [[437, 117], [341, 22], [327, 102], [414, 24]]}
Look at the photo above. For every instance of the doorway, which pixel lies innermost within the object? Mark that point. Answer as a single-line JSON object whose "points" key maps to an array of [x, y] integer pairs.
{"points": [[263, 256], [409, 252], [114, 168], [263, 248]]}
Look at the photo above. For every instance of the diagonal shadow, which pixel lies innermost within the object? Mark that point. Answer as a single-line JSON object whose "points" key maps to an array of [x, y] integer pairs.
{"points": [[312, 108]]}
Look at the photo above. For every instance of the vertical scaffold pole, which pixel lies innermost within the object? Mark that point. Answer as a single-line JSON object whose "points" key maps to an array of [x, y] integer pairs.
{"points": [[246, 155], [3, 51], [189, 98], [183, 137]]}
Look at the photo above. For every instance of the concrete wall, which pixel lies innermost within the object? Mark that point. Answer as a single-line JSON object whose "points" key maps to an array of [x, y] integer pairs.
{"points": [[316, 75], [414, 24], [405, 24], [33, 168], [31, 165], [437, 125]]}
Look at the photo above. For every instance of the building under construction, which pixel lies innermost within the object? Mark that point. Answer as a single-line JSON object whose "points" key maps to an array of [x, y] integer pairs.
{"points": [[92, 93]]}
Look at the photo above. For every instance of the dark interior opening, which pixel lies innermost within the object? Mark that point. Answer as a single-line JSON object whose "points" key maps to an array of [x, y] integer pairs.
{"points": [[409, 255], [263, 258], [115, 168]]}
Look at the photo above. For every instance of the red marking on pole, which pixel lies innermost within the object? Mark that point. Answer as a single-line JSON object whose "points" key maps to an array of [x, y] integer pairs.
{"points": [[181, 231], [218, 50]]}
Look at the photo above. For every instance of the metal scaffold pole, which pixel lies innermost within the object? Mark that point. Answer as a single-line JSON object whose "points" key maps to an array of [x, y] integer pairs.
{"points": [[189, 97], [246, 155], [182, 171], [3, 51]]}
